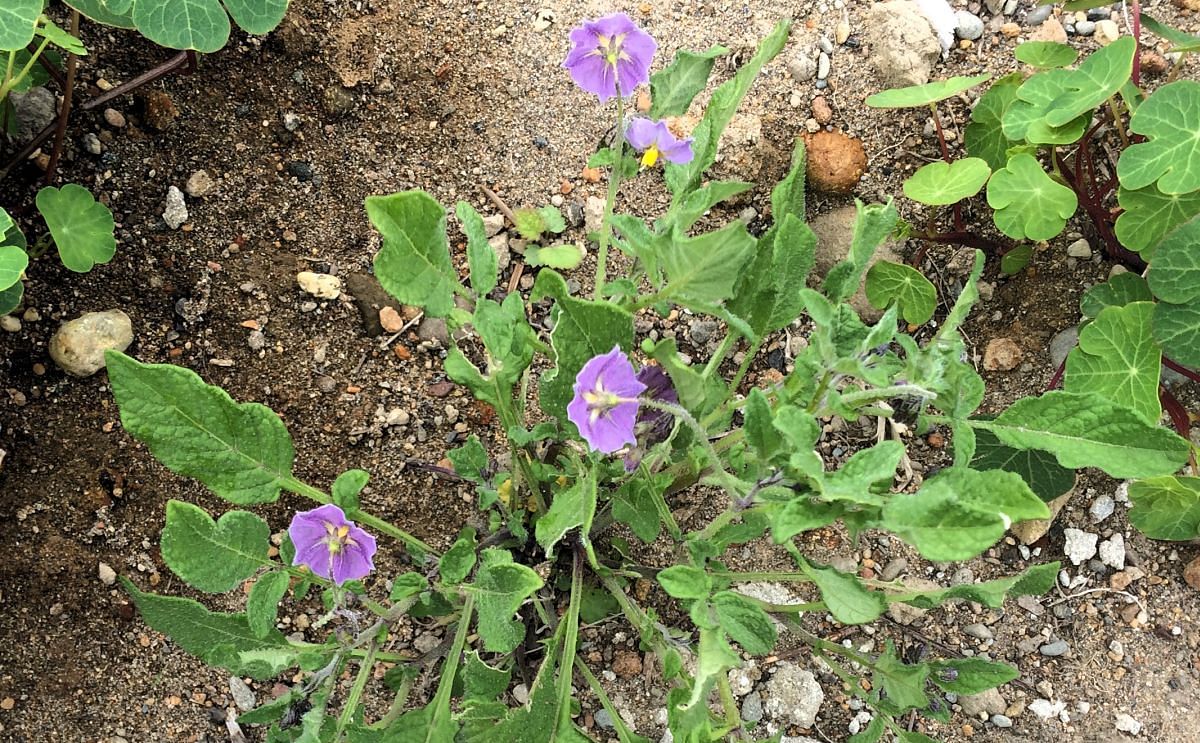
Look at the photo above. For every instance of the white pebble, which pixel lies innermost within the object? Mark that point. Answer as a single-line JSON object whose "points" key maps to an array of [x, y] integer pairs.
{"points": [[108, 576]]}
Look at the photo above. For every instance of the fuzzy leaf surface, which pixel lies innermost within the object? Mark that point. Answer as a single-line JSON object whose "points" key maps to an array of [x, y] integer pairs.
{"points": [[501, 586], [673, 88], [414, 263], [481, 258], [213, 556]]}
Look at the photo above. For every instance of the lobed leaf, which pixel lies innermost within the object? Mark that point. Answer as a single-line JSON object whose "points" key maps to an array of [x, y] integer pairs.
{"points": [[242, 452], [213, 556], [17, 21], [1170, 156], [108, 12], [1118, 291], [1174, 274], [414, 263], [1118, 358], [923, 95], [1149, 214], [1166, 507], [1045, 476], [81, 226], [1045, 54], [941, 183], [889, 282], [1025, 117], [202, 25], [1177, 329], [984, 137], [704, 269], [1029, 204], [501, 586], [13, 262]]}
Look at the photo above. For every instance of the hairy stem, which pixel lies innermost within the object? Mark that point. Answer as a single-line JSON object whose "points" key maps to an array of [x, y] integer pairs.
{"points": [[356, 691], [614, 184]]}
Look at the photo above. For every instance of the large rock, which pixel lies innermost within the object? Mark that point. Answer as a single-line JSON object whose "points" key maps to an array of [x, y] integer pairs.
{"points": [[79, 345], [36, 109], [793, 696], [904, 47], [834, 231]]}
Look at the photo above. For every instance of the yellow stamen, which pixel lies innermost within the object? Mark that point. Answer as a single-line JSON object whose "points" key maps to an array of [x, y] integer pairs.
{"points": [[650, 156]]}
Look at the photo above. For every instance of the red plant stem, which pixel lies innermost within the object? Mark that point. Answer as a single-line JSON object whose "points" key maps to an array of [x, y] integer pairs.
{"points": [[65, 114], [1179, 368], [937, 123], [184, 63], [1179, 416], [1057, 378]]}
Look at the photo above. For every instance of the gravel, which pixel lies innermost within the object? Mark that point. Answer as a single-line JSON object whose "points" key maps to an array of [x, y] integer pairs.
{"points": [[1055, 648], [1080, 545]]}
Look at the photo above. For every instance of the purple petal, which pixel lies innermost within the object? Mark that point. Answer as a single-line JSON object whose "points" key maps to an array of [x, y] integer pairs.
{"points": [[595, 76], [612, 430], [316, 557], [611, 26], [641, 133], [637, 50], [677, 151], [353, 562]]}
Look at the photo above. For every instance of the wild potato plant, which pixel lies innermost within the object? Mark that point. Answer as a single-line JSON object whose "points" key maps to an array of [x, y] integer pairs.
{"points": [[604, 428]]}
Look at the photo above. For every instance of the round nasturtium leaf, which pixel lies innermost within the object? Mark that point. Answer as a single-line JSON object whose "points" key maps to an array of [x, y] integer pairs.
{"points": [[102, 11], [984, 136], [82, 227], [13, 262], [1177, 329], [1166, 507], [1025, 118], [18, 18], [1118, 358], [923, 95], [1046, 54], [202, 25], [1175, 271], [1149, 214], [940, 183], [1029, 204], [10, 298], [903, 285], [1170, 121], [1120, 290]]}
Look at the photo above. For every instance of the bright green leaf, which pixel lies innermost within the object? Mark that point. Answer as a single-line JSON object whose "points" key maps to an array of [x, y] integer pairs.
{"points": [[1166, 507], [201, 25], [685, 582], [1096, 79], [970, 675], [1149, 214], [1177, 329], [455, 565], [984, 136], [564, 257], [17, 21], [1170, 156], [923, 95], [1045, 476], [673, 88], [10, 298], [13, 262], [903, 684], [844, 595], [242, 452], [61, 38], [1045, 54], [81, 226], [573, 508], [1175, 271], [346, 487], [414, 264], [1015, 260], [1033, 582], [262, 606], [873, 224], [1029, 204], [684, 215], [1025, 117], [213, 556], [501, 586], [255, 16], [1118, 358], [101, 12], [889, 282], [1180, 41], [480, 256], [1118, 291], [745, 622], [704, 269], [941, 183]]}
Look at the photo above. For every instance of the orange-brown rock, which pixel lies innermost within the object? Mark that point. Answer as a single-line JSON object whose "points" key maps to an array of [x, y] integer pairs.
{"points": [[836, 161]]}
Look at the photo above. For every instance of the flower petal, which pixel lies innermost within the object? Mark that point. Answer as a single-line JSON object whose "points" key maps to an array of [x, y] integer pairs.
{"points": [[352, 563], [316, 557], [678, 151], [595, 76], [640, 133]]}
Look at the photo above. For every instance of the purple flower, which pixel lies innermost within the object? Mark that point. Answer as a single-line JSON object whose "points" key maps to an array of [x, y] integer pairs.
{"points": [[654, 140], [610, 56], [605, 407], [331, 546], [653, 425]]}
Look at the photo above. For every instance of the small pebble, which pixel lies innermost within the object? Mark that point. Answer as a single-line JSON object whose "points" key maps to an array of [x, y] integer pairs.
{"points": [[1080, 249], [320, 285], [1001, 721], [1127, 724], [1085, 28], [1107, 32], [822, 66], [1054, 649], [114, 118], [107, 575], [1102, 508], [91, 143], [10, 324]]}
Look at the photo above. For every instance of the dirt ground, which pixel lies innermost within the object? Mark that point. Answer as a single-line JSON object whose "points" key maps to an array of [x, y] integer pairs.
{"points": [[374, 96]]}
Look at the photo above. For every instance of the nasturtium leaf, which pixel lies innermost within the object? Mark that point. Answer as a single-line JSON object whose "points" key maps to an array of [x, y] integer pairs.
{"points": [[960, 512], [1170, 156], [17, 21], [1175, 271], [903, 684], [673, 88], [481, 259], [1166, 507], [1118, 358], [970, 675], [1015, 260], [414, 263], [685, 582], [1045, 54], [215, 638], [940, 183], [61, 38], [889, 282], [10, 298], [500, 587], [213, 556], [82, 227], [572, 508], [1180, 41], [873, 224], [1149, 214], [255, 16], [1045, 476], [1096, 79], [242, 452], [1177, 329], [346, 487], [564, 257], [745, 622], [1118, 291], [1024, 119], [923, 95], [703, 269], [13, 262], [844, 595], [1029, 204], [582, 330], [101, 11], [1089, 430], [984, 136], [455, 565], [202, 25], [262, 606]]}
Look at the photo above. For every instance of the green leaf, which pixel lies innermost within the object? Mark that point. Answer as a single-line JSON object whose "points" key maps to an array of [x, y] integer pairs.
{"points": [[408, 584], [201, 25], [904, 685], [17, 21], [1170, 156], [529, 223], [1089, 431], [211, 556], [691, 208], [1118, 291], [564, 257], [685, 178], [672, 89], [217, 639], [101, 12], [1177, 329], [481, 681], [636, 503], [871, 227], [1166, 507], [704, 269], [1118, 359], [960, 512], [346, 488], [1025, 117], [507, 337], [501, 586], [1175, 271], [552, 218], [262, 606], [1180, 41], [745, 622], [889, 282], [480, 256], [1097, 78], [582, 331], [844, 595], [1045, 476], [761, 433], [255, 16], [697, 392], [81, 226], [10, 298], [685, 582], [801, 514], [573, 508], [242, 452], [414, 263], [970, 675], [60, 38], [1029, 204], [469, 460], [984, 136], [923, 95], [13, 262], [1149, 214], [1045, 54], [941, 183], [1033, 582], [455, 565], [1014, 261]]}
